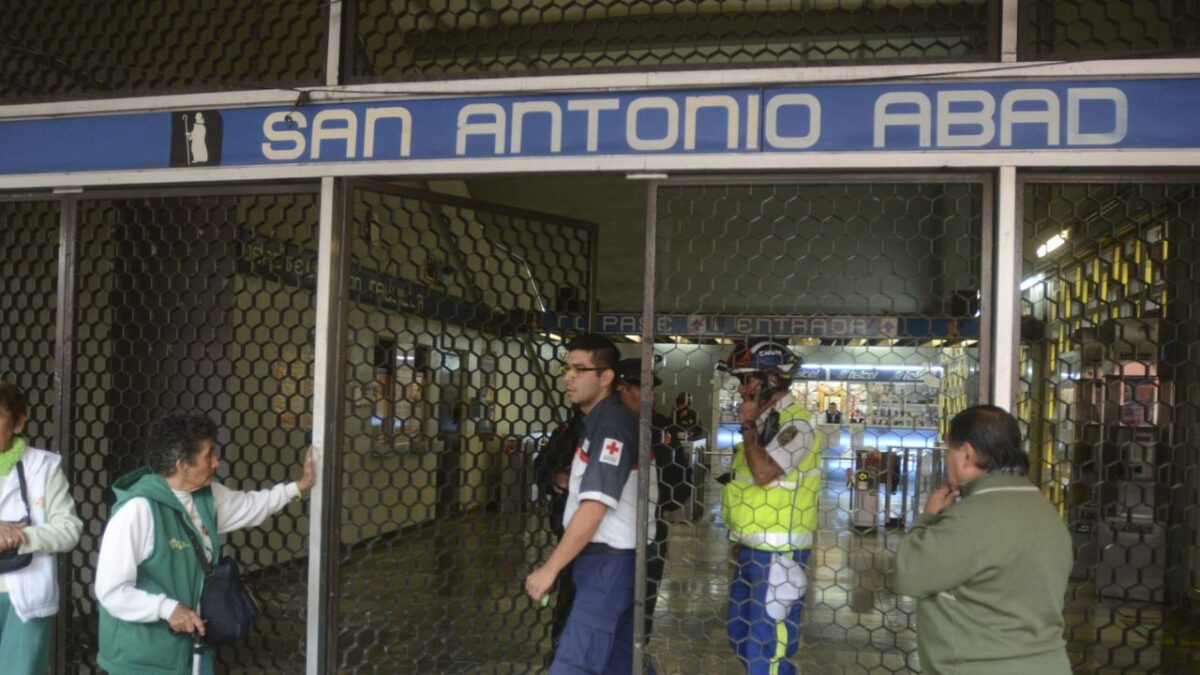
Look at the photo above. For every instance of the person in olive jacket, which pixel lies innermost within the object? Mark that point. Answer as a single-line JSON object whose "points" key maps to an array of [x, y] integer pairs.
{"points": [[988, 560]]}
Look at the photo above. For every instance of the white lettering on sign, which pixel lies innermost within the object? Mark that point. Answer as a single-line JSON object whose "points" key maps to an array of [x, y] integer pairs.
{"points": [[1047, 116], [376, 114], [752, 103], [886, 115], [493, 126], [969, 118], [286, 139], [692, 106], [276, 129], [345, 129], [982, 107], [592, 107], [1120, 106], [523, 108], [667, 105], [776, 105]]}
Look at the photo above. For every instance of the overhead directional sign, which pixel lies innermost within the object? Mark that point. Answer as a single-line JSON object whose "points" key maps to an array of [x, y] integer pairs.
{"points": [[779, 326], [931, 117]]}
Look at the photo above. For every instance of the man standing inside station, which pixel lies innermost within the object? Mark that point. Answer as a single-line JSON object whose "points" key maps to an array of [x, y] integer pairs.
{"points": [[600, 518], [770, 506]]}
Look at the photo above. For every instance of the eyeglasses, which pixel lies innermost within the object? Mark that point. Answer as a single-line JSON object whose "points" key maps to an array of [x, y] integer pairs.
{"points": [[567, 370]]}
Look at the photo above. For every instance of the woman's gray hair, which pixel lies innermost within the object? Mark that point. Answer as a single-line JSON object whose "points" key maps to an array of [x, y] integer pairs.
{"points": [[176, 437]]}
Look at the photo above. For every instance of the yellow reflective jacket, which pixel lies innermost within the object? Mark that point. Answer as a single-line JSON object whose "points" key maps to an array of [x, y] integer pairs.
{"points": [[781, 515]]}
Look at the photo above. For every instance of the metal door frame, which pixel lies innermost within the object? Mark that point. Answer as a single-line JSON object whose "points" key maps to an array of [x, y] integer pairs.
{"points": [[990, 301]]}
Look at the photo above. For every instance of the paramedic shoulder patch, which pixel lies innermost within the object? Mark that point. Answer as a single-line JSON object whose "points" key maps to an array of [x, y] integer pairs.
{"points": [[788, 434], [610, 452]]}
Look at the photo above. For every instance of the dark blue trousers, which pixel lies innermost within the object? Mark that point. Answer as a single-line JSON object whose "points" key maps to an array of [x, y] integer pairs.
{"points": [[761, 642], [598, 639]]}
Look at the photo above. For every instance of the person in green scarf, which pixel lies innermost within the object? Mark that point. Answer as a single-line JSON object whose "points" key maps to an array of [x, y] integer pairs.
{"points": [[42, 522]]}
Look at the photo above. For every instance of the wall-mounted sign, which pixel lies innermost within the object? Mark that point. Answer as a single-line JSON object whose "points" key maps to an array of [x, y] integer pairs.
{"points": [[932, 117]]}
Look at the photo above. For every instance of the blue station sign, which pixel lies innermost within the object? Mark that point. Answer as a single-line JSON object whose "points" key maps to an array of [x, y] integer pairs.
{"points": [[940, 117]]}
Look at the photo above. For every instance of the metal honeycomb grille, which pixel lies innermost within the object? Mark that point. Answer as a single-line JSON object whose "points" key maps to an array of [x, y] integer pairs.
{"points": [[54, 49], [28, 300], [1080, 28], [1108, 319], [192, 303], [448, 398], [875, 285], [430, 40]]}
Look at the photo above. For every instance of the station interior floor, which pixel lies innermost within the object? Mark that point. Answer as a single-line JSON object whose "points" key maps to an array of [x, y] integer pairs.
{"points": [[447, 599]]}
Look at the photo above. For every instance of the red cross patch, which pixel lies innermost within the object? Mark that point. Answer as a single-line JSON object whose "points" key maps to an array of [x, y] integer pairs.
{"points": [[610, 451]]}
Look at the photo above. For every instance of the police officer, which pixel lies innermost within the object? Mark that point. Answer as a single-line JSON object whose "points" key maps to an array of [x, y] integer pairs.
{"points": [[600, 539], [770, 506]]}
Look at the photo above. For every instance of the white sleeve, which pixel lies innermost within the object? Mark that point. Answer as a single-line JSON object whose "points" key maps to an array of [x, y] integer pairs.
{"points": [[791, 444], [128, 541], [236, 510]]}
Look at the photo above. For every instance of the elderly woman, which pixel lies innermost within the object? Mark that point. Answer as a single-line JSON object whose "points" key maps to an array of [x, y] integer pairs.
{"points": [[148, 579], [988, 560], [40, 522]]}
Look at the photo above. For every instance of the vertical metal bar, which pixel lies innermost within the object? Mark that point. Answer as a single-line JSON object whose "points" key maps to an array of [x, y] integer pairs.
{"points": [[64, 379], [917, 485], [593, 270], [887, 488], [1007, 299], [333, 45], [986, 284], [328, 379], [1009, 24], [644, 452]]}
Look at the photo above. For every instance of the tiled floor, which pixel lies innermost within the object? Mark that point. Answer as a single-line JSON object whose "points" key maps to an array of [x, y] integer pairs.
{"points": [[448, 599]]}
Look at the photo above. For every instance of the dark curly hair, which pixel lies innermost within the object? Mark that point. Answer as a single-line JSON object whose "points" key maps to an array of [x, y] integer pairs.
{"points": [[12, 400], [176, 437]]}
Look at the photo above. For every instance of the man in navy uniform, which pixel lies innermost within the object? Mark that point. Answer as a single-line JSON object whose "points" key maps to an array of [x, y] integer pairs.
{"points": [[600, 539]]}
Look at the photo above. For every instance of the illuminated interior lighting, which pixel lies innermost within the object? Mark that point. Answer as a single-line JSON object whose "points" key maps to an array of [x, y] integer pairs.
{"points": [[886, 368], [1032, 281], [1052, 243], [634, 338]]}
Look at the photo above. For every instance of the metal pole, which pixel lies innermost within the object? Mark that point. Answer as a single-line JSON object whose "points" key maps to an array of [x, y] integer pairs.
{"points": [[64, 412], [644, 452], [333, 272], [1007, 298]]}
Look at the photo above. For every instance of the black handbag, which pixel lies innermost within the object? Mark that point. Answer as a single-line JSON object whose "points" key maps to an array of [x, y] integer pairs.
{"points": [[10, 560], [226, 606]]}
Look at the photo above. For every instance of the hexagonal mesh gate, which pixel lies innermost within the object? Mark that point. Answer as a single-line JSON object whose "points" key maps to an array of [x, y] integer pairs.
{"points": [[183, 303], [28, 293], [448, 398], [1108, 333], [874, 284]]}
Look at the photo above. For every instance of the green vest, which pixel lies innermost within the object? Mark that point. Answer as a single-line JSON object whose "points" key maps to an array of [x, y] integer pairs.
{"points": [[128, 648], [781, 515]]}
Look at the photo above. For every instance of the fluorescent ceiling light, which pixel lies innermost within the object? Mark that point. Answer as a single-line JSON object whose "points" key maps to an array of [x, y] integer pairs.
{"points": [[1032, 281], [1052, 243], [634, 338]]}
